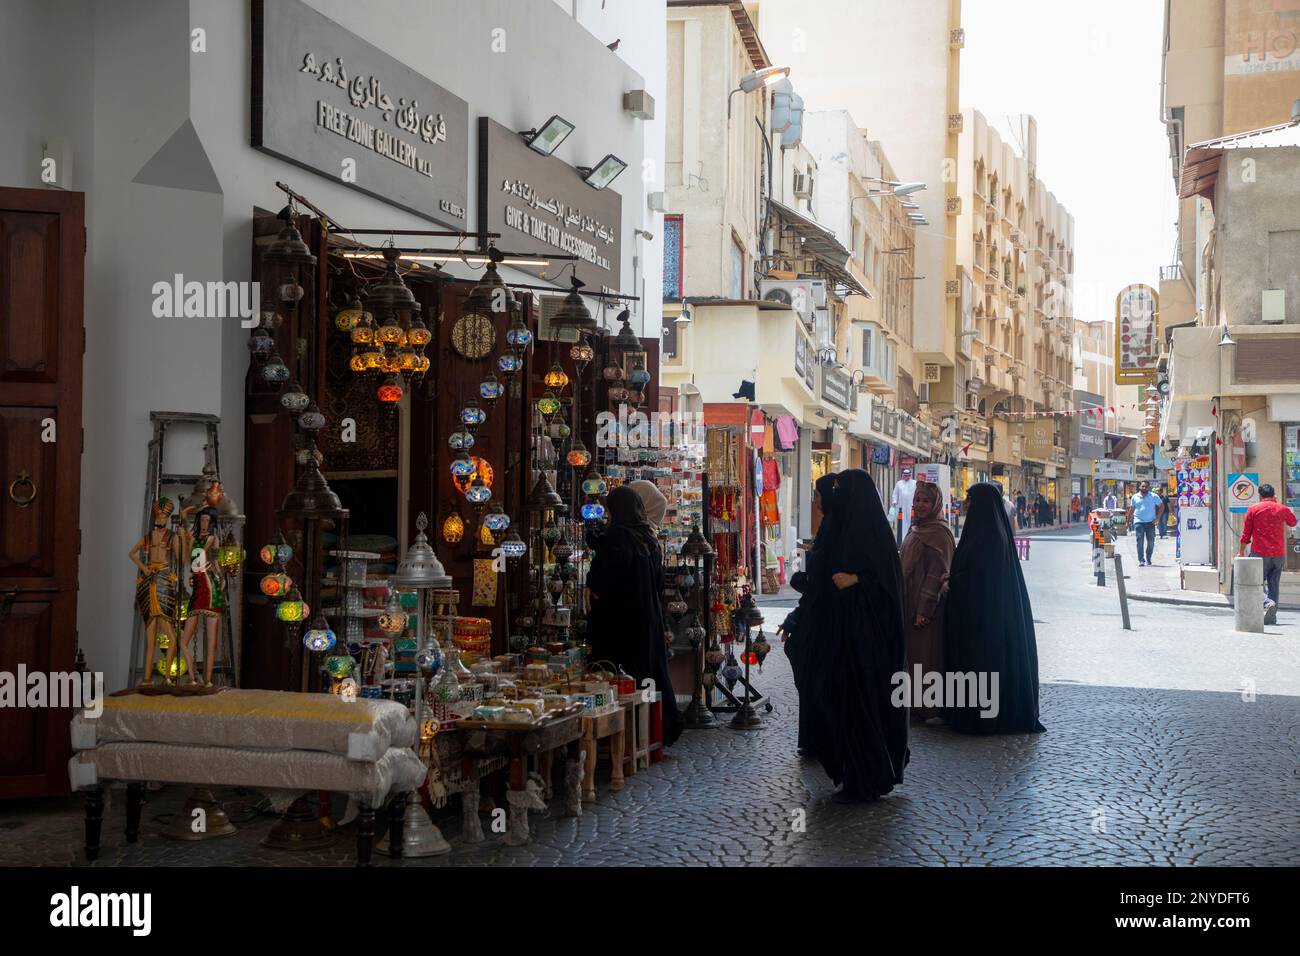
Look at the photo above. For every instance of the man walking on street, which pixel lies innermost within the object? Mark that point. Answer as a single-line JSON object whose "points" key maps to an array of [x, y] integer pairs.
{"points": [[1109, 502], [1265, 532], [1022, 510], [1141, 516]]}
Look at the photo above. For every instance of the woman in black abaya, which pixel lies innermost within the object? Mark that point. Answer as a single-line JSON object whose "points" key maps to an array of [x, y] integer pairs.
{"points": [[989, 625], [855, 646], [793, 632], [625, 622]]}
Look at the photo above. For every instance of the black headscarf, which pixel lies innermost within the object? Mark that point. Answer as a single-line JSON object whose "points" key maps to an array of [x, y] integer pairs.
{"points": [[989, 624], [627, 515], [861, 541]]}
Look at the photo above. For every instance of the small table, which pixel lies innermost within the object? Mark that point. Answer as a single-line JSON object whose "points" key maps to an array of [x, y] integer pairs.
{"points": [[610, 724]]}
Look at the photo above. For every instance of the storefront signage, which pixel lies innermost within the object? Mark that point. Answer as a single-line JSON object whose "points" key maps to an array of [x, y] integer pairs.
{"points": [[877, 417], [1089, 436], [891, 424], [541, 206], [1137, 335], [1109, 468], [327, 100], [1039, 437], [909, 431], [836, 388], [800, 353]]}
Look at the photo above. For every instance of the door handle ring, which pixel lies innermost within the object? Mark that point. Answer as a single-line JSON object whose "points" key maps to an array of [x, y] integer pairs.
{"points": [[22, 500]]}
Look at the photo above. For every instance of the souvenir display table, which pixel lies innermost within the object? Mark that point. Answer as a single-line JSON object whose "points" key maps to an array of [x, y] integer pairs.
{"points": [[281, 743]]}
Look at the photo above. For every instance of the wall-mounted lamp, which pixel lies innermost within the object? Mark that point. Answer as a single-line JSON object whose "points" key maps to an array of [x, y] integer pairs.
{"points": [[551, 134], [603, 173]]}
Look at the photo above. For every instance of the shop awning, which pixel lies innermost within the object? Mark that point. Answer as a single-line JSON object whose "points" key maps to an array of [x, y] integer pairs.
{"points": [[1201, 160], [820, 243]]}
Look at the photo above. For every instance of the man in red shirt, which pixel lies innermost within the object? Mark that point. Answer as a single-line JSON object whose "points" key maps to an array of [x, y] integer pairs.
{"points": [[1265, 532]]}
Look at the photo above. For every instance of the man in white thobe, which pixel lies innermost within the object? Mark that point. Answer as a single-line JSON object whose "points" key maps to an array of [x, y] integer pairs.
{"points": [[901, 500]]}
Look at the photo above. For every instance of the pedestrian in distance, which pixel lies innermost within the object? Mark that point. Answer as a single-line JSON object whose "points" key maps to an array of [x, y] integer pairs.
{"points": [[857, 644], [989, 623], [1022, 508], [1110, 502], [1162, 513], [926, 557], [1265, 532], [1141, 516]]}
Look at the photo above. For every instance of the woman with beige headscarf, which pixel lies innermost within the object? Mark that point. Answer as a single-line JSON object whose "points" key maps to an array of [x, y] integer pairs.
{"points": [[656, 505]]}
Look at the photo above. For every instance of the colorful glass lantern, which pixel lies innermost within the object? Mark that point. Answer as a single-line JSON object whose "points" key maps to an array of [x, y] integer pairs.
{"points": [[357, 362], [389, 333], [555, 379], [613, 373], [639, 376], [486, 536], [593, 511], [339, 666], [231, 555], [311, 420], [472, 416], [578, 456], [490, 389], [635, 397], [390, 390], [393, 618], [479, 468], [509, 363], [418, 335], [548, 404], [496, 519], [275, 372], [293, 608], [276, 551], [551, 533], [275, 585], [512, 546], [561, 431], [260, 343], [458, 441], [363, 333], [453, 528], [581, 353], [518, 336], [294, 400], [594, 485], [462, 466], [291, 292], [319, 638], [478, 493], [618, 394], [349, 318]]}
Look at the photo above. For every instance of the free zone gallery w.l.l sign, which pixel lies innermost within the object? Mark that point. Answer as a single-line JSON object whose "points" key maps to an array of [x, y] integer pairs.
{"points": [[327, 100], [541, 206]]}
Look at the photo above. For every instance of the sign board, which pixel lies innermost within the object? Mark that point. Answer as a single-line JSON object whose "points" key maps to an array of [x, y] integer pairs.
{"points": [[1039, 438], [1194, 535], [836, 388], [1243, 491], [1110, 469], [1088, 433], [1137, 335], [328, 101], [540, 205]]}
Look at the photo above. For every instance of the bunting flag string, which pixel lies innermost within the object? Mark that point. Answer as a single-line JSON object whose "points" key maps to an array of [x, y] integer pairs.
{"points": [[1097, 412]]}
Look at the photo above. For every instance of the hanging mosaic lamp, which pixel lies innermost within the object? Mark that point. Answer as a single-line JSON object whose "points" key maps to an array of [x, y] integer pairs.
{"points": [[390, 391], [618, 394], [490, 389], [496, 518], [453, 528], [635, 397], [551, 533], [543, 497], [393, 618], [582, 354], [260, 343], [639, 377], [231, 555], [294, 400], [276, 552], [462, 466], [319, 638], [478, 493], [363, 333], [472, 415], [613, 373], [293, 608], [275, 372], [593, 511], [418, 335], [555, 379], [460, 440], [548, 405], [350, 317], [560, 431], [491, 295], [518, 336], [573, 312], [578, 455], [512, 546], [509, 363], [626, 340], [593, 484], [311, 420]]}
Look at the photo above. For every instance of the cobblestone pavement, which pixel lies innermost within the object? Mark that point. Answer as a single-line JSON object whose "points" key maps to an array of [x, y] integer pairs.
{"points": [[1153, 756]]}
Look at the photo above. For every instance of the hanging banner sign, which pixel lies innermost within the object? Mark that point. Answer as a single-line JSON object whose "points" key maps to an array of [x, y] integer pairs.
{"points": [[327, 100], [1137, 335]]}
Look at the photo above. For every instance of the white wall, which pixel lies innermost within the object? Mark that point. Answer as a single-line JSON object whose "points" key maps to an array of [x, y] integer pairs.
{"points": [[118, 80]]}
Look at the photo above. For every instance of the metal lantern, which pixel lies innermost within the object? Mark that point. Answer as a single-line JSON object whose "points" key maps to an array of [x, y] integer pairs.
{"points": [[275, 585], [639, 377], [462, 466], [578, 455], [231, 555], [496, 518], [311, 419], [260, 343], [350, 317], [275, 372], [460, 440], [453, 528], [490, 389], [472, 415], [478, 492], [518, 336], [573, 312], [548, 404], [509, 363], [392, 620], [582, 354], [592, 511], [294, 400], [612, 373], [513, 546], [491, 295], [555, 379], [626, 340], [390, 391], [288, 250]]}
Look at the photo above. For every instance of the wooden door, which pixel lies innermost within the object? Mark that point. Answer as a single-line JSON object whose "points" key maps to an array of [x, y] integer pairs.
{"points": [[42, 251]]}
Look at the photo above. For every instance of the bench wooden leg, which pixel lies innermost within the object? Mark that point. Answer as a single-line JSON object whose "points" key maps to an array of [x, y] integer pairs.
{"points": [[365, 833], [94, 820], [546, 768], [589, 769], [616, 743], [396, 817], [573, 780], [134, 804]]}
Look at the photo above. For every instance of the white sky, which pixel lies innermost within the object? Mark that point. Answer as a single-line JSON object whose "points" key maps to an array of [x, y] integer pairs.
{"points": [[1090, 74]]}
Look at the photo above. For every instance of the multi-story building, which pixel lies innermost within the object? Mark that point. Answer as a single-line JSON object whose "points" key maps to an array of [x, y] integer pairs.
{"points": [[895, 67], [1230, 304], [1015, 260]]}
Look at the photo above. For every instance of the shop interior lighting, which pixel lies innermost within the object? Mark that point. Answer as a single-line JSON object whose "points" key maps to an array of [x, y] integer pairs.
{"points": [[549, 137], [603, 173]]}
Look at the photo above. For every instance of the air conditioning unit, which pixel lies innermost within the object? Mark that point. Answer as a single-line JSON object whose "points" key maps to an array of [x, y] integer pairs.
{"points": [[799, 294], [547, 330], [972, 402], [803, 185], [1272, 306], [931, 373]]}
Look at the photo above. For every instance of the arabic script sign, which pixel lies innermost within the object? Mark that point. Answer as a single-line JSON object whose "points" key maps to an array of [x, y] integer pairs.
{"points": [[1137, 335], [540, 205], [327, 100]]}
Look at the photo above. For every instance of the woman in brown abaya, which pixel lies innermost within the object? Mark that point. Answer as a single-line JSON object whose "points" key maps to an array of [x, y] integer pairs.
{"points": [[926, 557]]}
